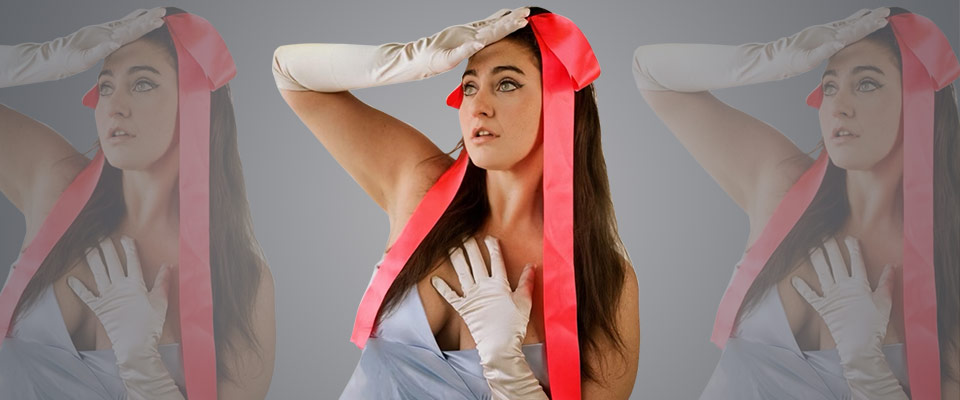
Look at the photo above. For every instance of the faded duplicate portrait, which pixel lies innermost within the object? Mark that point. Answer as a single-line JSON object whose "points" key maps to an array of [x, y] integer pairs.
{"points": [[139, 275]]}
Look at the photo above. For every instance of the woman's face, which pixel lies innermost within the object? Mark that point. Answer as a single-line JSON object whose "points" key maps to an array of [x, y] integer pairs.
{"points": [[860, 113], [500, 113], [137, 111]]}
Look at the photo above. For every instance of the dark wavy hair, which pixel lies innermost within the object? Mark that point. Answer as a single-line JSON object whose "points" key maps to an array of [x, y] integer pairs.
{"points": [[236, 258], [599, 255], [830, 209]]}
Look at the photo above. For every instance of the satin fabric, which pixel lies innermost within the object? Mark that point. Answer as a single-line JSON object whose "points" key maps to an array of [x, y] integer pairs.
{"points": [[763, 361], [402, 361], [39, 361]]}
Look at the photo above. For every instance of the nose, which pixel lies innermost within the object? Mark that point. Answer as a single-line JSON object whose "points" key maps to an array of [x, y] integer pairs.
{"points": [[118, 104], [842, 104], [481, 104]]}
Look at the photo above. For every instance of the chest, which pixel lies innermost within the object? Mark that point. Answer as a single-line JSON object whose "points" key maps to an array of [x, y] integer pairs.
{"points": [[85, 329], [448, 327]]}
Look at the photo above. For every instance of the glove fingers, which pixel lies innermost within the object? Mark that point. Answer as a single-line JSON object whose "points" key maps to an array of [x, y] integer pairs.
{"points": [[475, 258], [133, 259], [448, 294], [160, 288], [97, 268], [130, 30], [463, 270], [804, 289], [821, 268], [500, 28], [81, 291], [856, 29], [493, 17], [835, 260], [112, 259], [497, 269], [883, 296], [523, 296], [857, 269]]}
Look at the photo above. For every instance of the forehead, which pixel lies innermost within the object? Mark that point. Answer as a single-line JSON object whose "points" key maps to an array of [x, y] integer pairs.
{"points": [[504, 52], [861, 53], [139, 52]]}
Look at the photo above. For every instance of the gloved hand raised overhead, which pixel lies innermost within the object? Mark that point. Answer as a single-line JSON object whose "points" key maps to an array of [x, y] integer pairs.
{"points": [[700, 67], [323, 67], [72, 54]]}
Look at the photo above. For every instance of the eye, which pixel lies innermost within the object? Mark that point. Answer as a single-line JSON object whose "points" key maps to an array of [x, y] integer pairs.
{"points": [[829, 89], [868, 85], [105, 89], [469, 89], [143, 85], [508, 86]]}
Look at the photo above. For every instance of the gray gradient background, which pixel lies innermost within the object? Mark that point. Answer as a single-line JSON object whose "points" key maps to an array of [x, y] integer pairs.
{"points": [[322, 234]]}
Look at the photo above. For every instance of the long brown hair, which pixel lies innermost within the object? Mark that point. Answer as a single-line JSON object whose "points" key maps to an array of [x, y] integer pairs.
{"points": [[235, 255], [599, 255], [830, 209]]}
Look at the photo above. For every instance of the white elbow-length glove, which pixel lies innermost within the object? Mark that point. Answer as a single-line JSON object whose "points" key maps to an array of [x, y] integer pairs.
{"points": [[72, 54], [496, 317], [857, 318], [700, 67], [323, 67], [132, 317]]}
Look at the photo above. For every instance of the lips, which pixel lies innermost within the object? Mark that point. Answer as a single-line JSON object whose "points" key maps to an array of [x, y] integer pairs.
{"points": [[842, 135], [118, 134], [483, 135]]}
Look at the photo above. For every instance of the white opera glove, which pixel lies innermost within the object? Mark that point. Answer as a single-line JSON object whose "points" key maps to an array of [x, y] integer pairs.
{"points": [[323, 67], [70, 55], [496, 317], [700, 67], [132, 317], [857, 318]]}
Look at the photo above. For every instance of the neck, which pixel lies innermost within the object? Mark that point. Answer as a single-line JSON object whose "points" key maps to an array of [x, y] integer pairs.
{"points": [[876, 196], [152, 198], [516, 195]]}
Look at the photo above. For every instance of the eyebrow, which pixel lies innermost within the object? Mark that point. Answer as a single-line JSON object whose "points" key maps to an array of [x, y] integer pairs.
{"points": [[856, 70], [131, 70], [496, 70]]}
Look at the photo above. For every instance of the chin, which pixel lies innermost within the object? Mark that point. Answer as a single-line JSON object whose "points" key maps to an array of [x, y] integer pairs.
{"points": [[125, 162], [851, 162]]}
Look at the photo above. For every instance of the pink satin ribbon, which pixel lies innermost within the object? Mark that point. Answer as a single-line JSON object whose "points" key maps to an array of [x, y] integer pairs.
{"points": [[568, 65], [204, 65], [929, 64]]}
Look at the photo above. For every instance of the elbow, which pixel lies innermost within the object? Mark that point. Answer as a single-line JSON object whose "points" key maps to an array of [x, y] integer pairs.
{"points": [[281, 73]]}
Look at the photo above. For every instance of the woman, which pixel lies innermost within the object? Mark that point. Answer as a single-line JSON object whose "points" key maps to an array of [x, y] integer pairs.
{"points": [[791, 341], [412, 355], [124, 340]]}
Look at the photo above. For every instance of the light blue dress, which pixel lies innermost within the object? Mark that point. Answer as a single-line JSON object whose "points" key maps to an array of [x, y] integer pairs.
{"points": [[38, 360], [403, 361], [763, 361]]}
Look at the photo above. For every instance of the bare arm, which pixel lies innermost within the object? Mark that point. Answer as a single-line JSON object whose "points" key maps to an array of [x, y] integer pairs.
{"points": [[252, 369], [36, 165], [753, 162], [390, 160], [617, 372]]}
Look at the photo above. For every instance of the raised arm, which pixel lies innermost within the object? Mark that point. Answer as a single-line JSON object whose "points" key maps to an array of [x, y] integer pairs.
{"points": [[36, 163], [384, 155], [750, 160]]}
